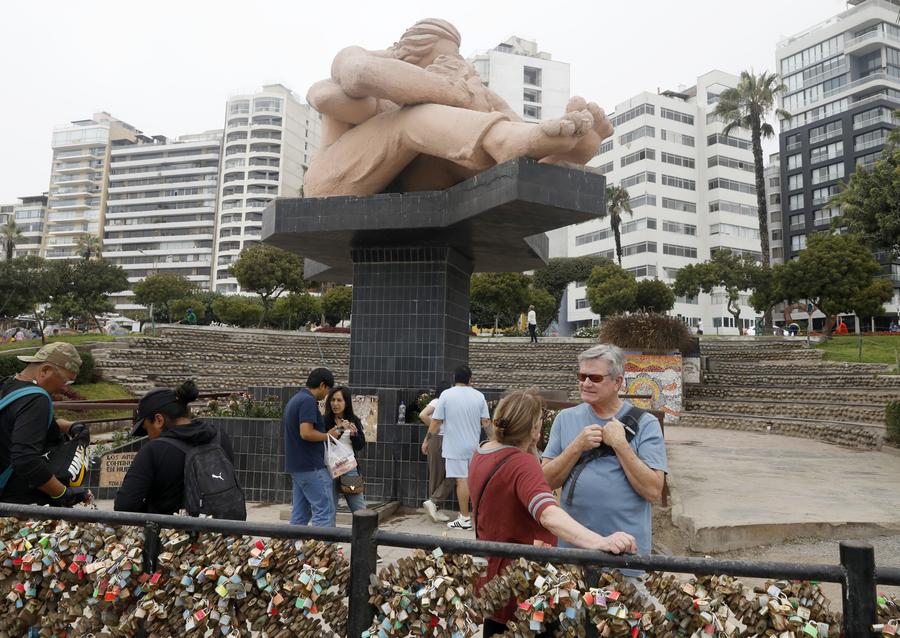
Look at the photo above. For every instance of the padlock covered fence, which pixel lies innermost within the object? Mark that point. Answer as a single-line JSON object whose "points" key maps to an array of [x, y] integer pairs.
{"points": [[857, 572]]}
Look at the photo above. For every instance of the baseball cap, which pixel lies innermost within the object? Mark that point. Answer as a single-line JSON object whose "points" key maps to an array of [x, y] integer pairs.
{"points": [[60, 354], [149, 405]]}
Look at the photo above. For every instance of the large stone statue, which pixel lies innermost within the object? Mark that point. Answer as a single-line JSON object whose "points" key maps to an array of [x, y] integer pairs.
{"points": [[416, 117]]}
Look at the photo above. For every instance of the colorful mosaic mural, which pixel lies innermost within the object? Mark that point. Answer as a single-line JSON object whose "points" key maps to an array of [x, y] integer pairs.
{"points": [[658, 375]]}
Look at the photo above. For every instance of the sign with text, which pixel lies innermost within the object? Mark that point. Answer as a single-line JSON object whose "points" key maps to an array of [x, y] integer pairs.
{"points": [[113, 468]]}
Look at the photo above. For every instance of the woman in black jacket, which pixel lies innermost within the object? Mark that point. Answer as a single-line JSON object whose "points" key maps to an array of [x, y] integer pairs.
{"points": [[155, 482], [339, 413]]}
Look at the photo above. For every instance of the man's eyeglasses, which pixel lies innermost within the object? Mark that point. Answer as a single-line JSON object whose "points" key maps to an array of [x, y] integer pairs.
{"points": [[595, 378], [59, 371]]}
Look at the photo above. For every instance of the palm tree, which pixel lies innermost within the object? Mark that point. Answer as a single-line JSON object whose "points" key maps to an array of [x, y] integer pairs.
{"points": [[747, 107], [88, 246], [617, 202], [9, 235]]}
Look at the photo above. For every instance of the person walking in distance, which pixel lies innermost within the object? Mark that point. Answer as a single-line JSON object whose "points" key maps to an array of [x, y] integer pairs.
{"points": [[462, 411], [440, 488], [532, 324], [304, 452]]}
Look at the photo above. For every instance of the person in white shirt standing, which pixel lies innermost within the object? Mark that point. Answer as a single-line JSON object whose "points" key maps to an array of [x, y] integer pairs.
{"points": [[532, 324], [463, 411]]}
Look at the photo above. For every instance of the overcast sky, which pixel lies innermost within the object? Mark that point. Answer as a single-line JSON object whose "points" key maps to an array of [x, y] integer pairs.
{"points": [[167, 67]]}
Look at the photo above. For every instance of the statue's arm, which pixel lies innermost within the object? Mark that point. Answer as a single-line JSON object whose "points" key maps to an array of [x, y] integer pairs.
{"points": [[499, 104], [366, 74], [330, 99]]}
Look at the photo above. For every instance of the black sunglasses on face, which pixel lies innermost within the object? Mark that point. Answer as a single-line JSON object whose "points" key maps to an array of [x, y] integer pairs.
{"points": [[595, 378]]}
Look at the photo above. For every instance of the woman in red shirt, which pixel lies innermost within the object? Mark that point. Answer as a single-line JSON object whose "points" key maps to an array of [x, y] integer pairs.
{"points": [[513, 502]]}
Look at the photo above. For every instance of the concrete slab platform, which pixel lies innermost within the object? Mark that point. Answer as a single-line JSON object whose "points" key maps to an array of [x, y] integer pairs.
{"points": [[733, 489]]}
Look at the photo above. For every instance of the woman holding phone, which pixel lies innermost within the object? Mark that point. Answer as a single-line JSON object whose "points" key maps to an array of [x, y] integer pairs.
{"points": [[339, 415]]}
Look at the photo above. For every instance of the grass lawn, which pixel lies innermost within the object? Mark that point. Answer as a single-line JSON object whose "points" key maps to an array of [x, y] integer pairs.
{"points": [[98, 391], [75, 339], [875, 349]]}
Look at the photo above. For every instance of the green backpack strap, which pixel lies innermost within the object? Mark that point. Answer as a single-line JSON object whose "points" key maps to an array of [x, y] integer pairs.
{"points": [[15, 395]]}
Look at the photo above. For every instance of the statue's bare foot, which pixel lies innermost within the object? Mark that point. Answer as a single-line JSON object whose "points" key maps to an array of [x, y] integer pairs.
{"points": [[589, 144], [509, 140]]}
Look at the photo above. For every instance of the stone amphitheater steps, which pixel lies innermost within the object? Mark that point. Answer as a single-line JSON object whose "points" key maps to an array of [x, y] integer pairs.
{"points": [[840, 433], [798, 408], [781, 386], [222, 359]]}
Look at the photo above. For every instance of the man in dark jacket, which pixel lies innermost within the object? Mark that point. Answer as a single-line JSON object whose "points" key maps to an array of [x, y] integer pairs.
{"points": [[155, 481], [28, 430]]}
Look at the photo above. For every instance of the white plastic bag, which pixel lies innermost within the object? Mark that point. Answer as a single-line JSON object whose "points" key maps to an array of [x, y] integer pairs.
{"points": [[339, 457]]}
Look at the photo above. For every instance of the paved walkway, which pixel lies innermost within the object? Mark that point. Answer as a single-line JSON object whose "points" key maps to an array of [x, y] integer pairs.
{"points": [[734, 489]]}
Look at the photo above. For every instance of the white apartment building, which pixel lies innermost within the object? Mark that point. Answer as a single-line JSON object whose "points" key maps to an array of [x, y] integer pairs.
{"points": [[773, 206], [692, 192], [78, 177], [161, 208], [270, 136], [30, 214], [533, 84], [843, 85]]}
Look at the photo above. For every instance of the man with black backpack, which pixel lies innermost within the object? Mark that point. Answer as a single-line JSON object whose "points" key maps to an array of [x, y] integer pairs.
{"points": [[608, 457], [187, 464]]}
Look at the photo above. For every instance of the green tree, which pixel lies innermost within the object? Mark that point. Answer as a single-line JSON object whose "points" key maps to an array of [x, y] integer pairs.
{"points": [[747, 106], [88, 284], [724, 270], [180, 307], [617, 202], [611, 290], [30, 285], [545, 306], [161, 289], [238, 310], [561, 271], [296, 309], [501, 295], [838, 274], [654, 296], [268, 271], [870, 203], [337, 304], [88, 245], [9, 237]]}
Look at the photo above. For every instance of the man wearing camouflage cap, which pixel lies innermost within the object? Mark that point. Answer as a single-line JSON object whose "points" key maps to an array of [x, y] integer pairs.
{"points": [[28, 430]]}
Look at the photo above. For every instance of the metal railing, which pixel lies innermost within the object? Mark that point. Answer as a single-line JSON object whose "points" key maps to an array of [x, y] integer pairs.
{"points": [[856, 573]]}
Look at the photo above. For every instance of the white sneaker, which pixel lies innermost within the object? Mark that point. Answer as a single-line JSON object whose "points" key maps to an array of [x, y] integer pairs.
{"points": [[460, 523], [432, 511]]}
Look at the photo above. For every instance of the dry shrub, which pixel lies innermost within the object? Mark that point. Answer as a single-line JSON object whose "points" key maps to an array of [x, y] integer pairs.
{"points": [[648, 332]]}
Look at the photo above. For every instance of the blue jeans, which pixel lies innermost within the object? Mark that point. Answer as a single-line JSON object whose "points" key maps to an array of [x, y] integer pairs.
{"points": [[354, 501], [313, 502]]}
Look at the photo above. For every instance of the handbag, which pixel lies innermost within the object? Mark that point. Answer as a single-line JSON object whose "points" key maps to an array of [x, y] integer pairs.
{"points": [[355, 484], [339, 457]]}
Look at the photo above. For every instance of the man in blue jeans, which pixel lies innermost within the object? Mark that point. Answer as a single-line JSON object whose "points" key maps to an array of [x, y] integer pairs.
{"points": [[304, 453]]}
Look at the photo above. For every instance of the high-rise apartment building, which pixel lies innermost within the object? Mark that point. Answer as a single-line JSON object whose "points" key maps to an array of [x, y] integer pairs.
{"points": [[692, 193], [78, 180], [843, 84], [7, 212], [30, 214], [270, 137], [533, 84], [773, 206], [161, 208]]}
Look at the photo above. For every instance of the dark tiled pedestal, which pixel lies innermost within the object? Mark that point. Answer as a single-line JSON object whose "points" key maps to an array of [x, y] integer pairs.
{"points": [[409, 257]]}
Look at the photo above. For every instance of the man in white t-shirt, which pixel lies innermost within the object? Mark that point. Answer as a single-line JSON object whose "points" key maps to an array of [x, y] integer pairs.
{"points": [[462, 411], [532, 324]]}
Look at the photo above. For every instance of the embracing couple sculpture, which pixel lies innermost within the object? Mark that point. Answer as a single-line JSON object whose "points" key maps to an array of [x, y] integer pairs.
{"points": [[416, 117]]}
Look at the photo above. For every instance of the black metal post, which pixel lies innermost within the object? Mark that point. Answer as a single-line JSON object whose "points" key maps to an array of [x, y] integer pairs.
{"points": [[363, 560], [151, 546], [858, 589], [591, 579]]}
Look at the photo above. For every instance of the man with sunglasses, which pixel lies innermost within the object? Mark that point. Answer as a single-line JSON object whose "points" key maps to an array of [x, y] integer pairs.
{"points": [[610, 489], [28, 430]]}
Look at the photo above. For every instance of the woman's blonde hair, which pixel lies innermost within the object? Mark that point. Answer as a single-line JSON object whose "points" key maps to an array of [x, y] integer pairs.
{"points": [[515, 415]]}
